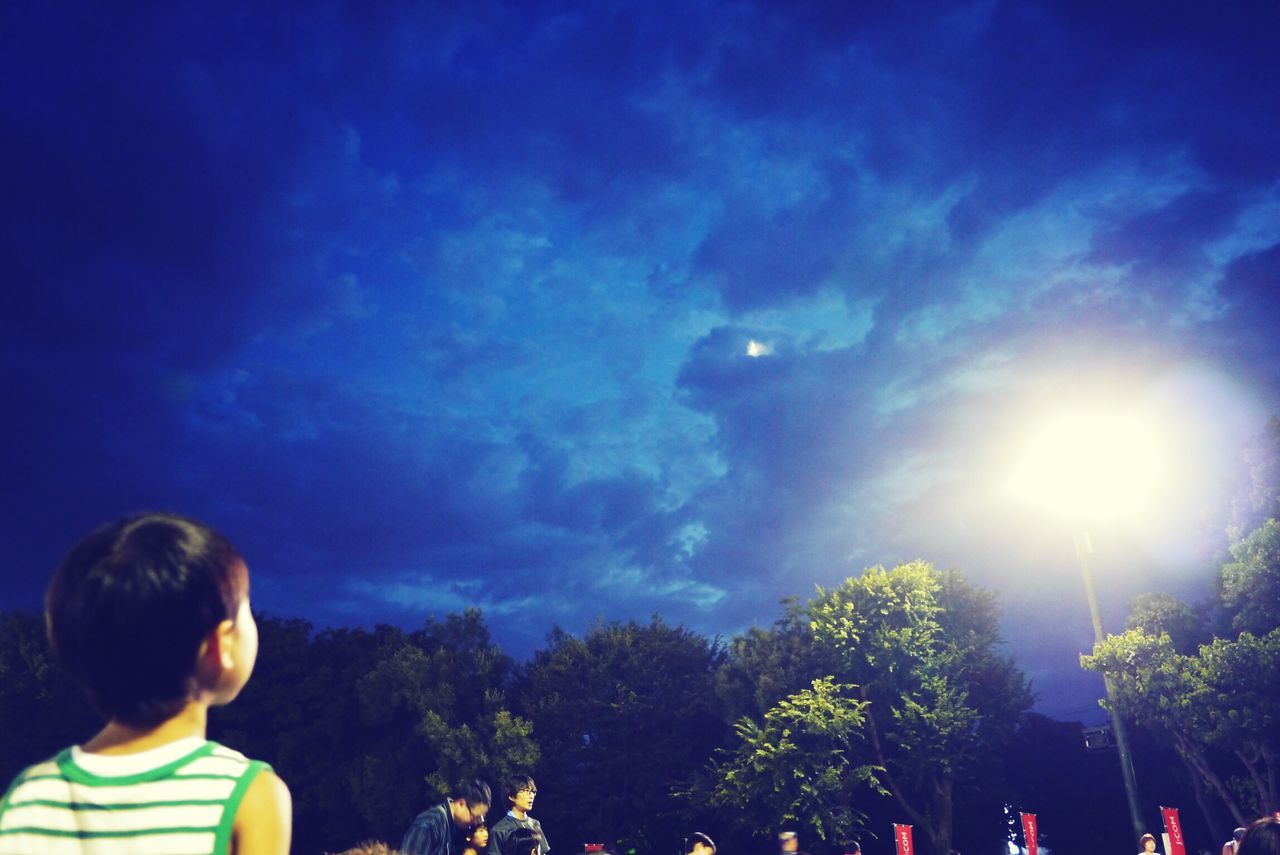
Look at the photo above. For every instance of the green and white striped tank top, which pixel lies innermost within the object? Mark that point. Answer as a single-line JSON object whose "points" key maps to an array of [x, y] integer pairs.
{"points": [[179, 799]]}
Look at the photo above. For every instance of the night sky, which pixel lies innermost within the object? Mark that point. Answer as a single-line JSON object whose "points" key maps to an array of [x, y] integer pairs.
{"points": [[585, 310]]}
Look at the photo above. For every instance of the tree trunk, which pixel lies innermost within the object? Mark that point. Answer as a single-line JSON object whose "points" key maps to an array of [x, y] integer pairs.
{"points": [[1250, 761], [1210, 815], [891, 784], [1197, 760], [1269, 761], [942, 818], [934, 823]]}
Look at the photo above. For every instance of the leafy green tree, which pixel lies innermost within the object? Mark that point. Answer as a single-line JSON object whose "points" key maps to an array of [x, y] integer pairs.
{"points": [[801, 766], [763, 666], [922, 647], [625, 717], [1164, 613], [1241, 684], [436, 702], [1251, 581], [1159, 688]]}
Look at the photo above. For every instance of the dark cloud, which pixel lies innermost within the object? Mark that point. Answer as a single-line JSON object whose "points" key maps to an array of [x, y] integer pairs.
{"points": [[438, 305]]}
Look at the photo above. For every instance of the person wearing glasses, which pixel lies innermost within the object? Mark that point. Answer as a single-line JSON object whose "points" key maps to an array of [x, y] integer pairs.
{"points": [[521, 792], [438, 830]]}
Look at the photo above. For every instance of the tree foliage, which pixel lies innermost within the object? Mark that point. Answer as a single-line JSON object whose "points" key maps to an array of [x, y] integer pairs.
{"points": [[1251, 581], [764, 666], [922, 646], [1157, 613], [369, 727], [41, 712], [1206, 679], [1257, 495], [625, 716], [1221, 702], [918, 650], [801, 766]]}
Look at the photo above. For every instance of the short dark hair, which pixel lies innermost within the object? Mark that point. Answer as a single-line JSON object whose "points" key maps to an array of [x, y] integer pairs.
{"points": [[522, 841], [129, 606], [1262, 837], [699, 837], [473, 791], [514, 783]]}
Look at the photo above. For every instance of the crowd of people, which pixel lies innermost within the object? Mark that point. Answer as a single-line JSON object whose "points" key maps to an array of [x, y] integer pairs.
{"points": [[150, 615]]}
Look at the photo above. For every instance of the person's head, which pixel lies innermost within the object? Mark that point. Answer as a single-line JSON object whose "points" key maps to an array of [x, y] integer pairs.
{"points": [[788, 841], [700, 844], [521, 791], [853, 848], [1237, 834], [1261, 838], [150, 612], [1147, 843], [523, 841], [468, 802], [479, 837]]}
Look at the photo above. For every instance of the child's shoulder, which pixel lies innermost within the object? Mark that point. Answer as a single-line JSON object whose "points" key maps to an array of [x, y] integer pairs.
{"points": [[223, 752], [49, 768], [44, 770]]}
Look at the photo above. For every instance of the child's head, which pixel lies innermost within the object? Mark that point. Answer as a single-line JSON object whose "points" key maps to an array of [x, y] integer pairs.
{"points": [[700, 844], [149, 612], [479, 837]]}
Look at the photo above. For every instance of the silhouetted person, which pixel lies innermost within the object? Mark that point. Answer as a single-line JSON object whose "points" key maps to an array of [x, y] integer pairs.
{"points": [[437, 830]]}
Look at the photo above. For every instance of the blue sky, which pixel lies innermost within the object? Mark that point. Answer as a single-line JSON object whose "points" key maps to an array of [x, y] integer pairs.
{"points": [[573, 311]]}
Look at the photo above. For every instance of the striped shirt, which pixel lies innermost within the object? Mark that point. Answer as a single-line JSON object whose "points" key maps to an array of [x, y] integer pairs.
{"points": [[179, 799]]}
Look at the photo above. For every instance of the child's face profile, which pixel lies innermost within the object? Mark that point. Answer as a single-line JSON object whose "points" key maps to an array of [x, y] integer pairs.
{"points": [[239, 651], [480, 837]]}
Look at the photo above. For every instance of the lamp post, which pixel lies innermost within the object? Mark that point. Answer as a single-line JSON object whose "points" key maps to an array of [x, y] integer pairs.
{"points": [[1090, 466], [1084, 549]]}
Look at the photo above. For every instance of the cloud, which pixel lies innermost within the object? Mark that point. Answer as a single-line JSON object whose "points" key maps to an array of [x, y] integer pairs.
{"points": [[454, 304]]}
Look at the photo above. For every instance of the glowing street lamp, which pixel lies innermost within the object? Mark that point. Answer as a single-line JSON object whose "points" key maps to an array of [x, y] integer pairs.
{"points": [[1089, 467]]}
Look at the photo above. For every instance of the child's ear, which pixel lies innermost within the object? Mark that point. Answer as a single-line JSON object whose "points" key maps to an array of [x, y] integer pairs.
{"points": [[217, 651]]}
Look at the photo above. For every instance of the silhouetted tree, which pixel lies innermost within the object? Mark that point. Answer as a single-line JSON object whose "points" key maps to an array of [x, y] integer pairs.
{"points": [[625, 717]]}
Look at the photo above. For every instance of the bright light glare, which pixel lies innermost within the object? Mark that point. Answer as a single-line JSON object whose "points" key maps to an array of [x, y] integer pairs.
{"points": [[1093, 466]]}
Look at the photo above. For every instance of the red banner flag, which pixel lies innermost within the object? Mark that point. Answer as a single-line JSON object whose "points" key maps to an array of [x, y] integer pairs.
{"points": [[902, 836], [1173, 832], [1029, 832]]}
